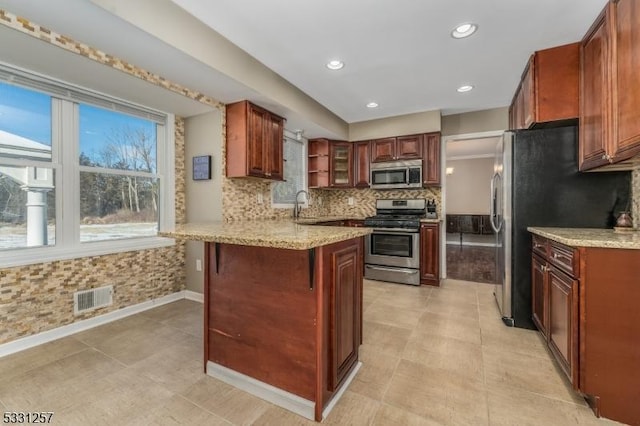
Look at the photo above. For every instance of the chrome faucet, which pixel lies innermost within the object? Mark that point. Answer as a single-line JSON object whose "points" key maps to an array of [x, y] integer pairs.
{"points": [[297, 207]]}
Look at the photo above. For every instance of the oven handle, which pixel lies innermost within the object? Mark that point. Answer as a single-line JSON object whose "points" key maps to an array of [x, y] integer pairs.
{"points": [[396, 230], [404, 271]]}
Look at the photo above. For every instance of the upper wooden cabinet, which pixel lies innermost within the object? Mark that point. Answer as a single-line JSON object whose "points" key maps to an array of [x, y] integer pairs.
{"points": [[396, 148], [549, 88], [610, 88], [431, 159], [361, 164], [254, 142], [330, 164]]}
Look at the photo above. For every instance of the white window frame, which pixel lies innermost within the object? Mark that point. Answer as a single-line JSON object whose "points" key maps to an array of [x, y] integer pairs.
{"points": [[65, 163], [292, 138]]}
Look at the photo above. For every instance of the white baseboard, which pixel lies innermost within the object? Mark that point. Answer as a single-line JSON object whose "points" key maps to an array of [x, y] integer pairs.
{"points": [[341, 391], [76, 327], [193, 295], [279, 397]]}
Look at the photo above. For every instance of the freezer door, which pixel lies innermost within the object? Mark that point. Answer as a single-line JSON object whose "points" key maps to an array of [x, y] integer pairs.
{"points": [[501, 223]]}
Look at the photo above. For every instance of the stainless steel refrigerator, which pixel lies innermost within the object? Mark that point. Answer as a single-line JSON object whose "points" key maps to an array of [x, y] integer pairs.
{"points": [[536, 182]]}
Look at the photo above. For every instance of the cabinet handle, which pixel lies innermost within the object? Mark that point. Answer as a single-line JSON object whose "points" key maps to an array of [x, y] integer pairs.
{"points": [[555, 255]]}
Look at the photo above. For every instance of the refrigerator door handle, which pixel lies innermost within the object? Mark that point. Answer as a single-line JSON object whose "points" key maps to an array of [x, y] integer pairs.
{"points": [[492, 215]]}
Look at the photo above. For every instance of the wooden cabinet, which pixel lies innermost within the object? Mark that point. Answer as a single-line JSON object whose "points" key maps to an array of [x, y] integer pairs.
{"points": [[254, 146], [430, 254], [548, 91], [431, 159], [610, 88], [539, 294], [345, 287], [361, 159], [554, 286], [396, 148], [330, 164], [585, 304]]}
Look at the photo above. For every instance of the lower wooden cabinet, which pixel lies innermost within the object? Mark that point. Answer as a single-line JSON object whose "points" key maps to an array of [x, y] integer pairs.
{"points": [[430, 254], [585, 304]]}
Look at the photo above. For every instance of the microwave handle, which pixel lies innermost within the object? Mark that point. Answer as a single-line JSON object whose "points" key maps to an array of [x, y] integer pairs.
{"points": [[406, 175]]}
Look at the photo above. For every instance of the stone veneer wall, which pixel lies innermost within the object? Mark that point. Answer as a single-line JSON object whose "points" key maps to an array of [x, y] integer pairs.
{"points": [[39, 297]]}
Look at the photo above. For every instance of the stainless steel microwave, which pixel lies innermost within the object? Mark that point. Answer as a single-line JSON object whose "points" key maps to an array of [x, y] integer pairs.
{"points": [[396, 175]]}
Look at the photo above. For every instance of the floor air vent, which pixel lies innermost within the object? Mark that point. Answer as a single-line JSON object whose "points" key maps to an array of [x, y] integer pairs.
{"points": [[87, 300]]}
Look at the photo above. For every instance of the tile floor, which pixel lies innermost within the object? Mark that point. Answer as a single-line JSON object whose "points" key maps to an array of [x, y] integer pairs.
{"points": [[431, 356]]}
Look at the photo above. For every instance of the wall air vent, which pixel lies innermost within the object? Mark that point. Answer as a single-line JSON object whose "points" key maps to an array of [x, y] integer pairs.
{"points": [[95, 298]]}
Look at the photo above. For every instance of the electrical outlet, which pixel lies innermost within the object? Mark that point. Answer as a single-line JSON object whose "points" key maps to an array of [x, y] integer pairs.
{"points": [[260, 198], [198, 265], [350, 201]]}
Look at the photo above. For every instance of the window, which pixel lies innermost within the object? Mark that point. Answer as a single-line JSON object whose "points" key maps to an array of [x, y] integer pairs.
{"points": [[283, 194], [80, 173]]}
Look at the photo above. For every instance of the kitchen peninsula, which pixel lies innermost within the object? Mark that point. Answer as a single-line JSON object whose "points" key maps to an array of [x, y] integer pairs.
{"points": [[283, 309]]}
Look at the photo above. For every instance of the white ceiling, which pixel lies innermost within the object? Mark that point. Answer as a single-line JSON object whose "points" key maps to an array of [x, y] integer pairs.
{"points": [[398, 53]]}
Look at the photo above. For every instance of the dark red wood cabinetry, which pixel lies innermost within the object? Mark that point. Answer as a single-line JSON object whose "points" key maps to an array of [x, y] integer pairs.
{"points": [[431, 160], [610, 88], [430, 254], [548, 90], [585, 305], [330, 164], [396, 148], [361, 159], [254, 145]]}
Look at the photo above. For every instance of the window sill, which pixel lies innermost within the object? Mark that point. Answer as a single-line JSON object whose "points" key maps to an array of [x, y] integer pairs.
{"points": [[31, 256]]}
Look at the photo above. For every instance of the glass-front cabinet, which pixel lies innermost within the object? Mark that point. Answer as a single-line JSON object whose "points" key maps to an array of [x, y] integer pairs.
{"points": [[340, 164]]}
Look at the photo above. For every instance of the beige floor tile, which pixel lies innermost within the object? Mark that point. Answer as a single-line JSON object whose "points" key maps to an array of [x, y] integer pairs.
{"points": [[21, 362], [438, 395], [461, 328], [375, 374], [388, 415], [281, 417], [526, 372], [508, 406], [179, 411], [189, 322], [174, 309], [132, 346], [454, 296], [405, 300], [55, 379], [458, 310], [136, 323], [486, 298], [459, 285], [230, 403], [516, 340], [453, 355], [386, 339], [352, 409], [383, 313], [176, 367]]}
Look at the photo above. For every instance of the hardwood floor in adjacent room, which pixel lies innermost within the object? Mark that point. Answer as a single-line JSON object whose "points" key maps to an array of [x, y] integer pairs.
{"points": [[431, 356], [471, 263]]}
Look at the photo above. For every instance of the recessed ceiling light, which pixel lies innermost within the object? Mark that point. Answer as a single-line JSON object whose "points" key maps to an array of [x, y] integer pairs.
{"points": [[465, 88], [335, 64], [464, 30], [372, 105]]}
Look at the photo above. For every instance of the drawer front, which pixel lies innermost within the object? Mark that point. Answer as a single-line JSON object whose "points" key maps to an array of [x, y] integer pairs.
{"points": [[564, 258], [539, 245]]}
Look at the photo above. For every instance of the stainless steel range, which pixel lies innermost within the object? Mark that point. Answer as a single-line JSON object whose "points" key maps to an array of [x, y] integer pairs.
{"points": [[392, 251]]}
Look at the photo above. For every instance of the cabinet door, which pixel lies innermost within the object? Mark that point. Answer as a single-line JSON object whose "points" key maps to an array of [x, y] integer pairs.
{"points": [[383, 150], [528, 96], [409, 147], [431, 160], [255, 143], [594, 95], [361, 164], [274, 139], [344, 313], [340, 168], [563, 320], [429, 253], [626, 81], [539, 294]]}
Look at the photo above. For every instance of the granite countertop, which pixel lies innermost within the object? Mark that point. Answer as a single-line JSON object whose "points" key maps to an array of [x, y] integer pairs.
{"points": [[436, 220], [590, 237], [318, 219], [266, 233]]}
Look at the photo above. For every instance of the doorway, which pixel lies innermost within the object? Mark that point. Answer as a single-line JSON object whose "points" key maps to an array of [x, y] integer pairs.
{"points": [[470, 242]]}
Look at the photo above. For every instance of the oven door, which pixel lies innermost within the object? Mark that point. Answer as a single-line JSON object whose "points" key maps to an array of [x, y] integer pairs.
{"points": [[393, 247]]}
